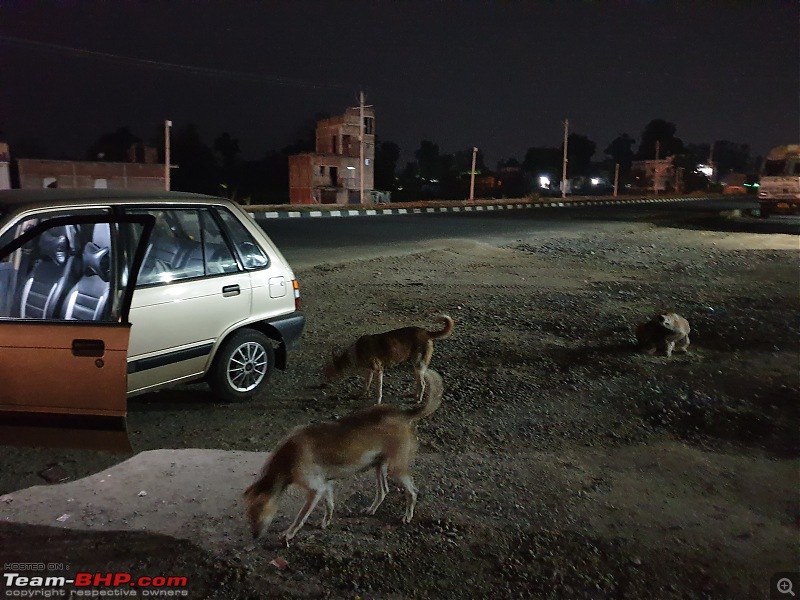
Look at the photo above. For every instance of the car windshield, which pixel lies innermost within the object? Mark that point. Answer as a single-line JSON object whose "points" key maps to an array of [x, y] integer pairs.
{"points": [[774, 167]]}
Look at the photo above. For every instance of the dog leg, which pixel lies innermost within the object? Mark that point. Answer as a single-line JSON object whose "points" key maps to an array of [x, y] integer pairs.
{"points": [[380, 386], [314, 496], [411, 496], [683, 345], [419, 372], [368, 383], [326, 519], [381, 489], [422, 367], [670, 348], [385, 479]]}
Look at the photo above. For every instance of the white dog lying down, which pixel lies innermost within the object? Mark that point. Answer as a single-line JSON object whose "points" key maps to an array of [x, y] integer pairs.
{"points": [[664, 333]]}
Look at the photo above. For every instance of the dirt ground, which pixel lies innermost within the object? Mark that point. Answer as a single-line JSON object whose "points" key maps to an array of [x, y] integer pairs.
{"points": [[562, 464]]}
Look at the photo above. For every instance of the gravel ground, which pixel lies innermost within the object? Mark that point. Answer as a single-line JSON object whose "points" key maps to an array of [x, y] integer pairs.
{"points": [[562, 464]]}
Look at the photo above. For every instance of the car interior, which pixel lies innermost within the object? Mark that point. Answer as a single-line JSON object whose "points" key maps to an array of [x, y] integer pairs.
{"points": [[63, 274], [174, 253]]}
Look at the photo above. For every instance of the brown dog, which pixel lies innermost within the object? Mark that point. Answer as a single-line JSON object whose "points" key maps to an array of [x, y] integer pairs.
{"points": [[373, 353], [663, 333], [377, 437]]}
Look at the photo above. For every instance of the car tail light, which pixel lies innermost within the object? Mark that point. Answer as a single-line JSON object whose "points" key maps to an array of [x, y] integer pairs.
{"points": [[296, 288]]}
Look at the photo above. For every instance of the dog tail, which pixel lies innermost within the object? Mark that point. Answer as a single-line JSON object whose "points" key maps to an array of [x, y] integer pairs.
{"points": [[448, 329], [433, 397]]}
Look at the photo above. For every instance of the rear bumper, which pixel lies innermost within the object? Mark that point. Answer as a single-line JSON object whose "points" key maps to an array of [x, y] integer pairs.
{"points": [[287, 331], [289, 328]]}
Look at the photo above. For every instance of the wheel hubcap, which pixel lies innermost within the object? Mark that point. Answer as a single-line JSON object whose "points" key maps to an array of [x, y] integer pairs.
{"points": [[247, 366]]}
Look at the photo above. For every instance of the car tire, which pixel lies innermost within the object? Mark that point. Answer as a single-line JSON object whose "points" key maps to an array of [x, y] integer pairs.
{"points": [[242, 366]]}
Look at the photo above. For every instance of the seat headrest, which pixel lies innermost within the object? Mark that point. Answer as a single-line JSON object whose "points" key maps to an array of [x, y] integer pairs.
{"points": [[101, 235], [96, 260], [55, 245]]}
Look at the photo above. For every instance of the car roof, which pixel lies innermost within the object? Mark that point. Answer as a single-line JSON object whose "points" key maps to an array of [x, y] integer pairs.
{"points": [[14, 200]]}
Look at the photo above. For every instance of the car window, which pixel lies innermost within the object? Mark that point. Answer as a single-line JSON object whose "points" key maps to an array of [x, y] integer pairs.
{"points": [[219, 257], [186, 243], [249, 251]]}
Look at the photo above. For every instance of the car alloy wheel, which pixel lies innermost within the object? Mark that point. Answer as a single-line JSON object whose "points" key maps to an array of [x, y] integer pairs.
{"points": [[247, 366], [242, 365]]}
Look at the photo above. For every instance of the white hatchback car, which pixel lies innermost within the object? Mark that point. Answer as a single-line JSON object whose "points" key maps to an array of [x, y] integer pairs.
{"points": [[107, 294]]}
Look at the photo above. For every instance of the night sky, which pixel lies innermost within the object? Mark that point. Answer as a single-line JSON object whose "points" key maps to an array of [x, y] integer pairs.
{"points": [[498, 75]]}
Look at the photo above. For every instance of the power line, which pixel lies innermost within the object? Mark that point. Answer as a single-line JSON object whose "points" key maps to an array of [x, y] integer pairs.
{"points": [[174, 67]]}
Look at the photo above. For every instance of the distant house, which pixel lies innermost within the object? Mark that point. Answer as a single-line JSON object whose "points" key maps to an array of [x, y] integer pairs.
{"points": [[331, 174], [656, 176], [511, 181], [734, 184], [141, 173]]}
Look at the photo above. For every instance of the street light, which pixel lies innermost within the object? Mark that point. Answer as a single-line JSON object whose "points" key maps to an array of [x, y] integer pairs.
{"points": [[167, 125], [472, 175], [564, 166]]}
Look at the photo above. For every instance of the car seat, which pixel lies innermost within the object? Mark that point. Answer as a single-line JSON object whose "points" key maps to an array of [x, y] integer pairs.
{"points": [[88, 298], [51, 275]]}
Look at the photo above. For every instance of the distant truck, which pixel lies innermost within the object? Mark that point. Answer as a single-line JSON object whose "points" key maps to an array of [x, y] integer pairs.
{"points": [[779, 187]]}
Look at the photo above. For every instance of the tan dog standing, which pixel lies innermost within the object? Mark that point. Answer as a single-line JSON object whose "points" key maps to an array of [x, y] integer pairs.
{"points": [[373, 353], [377, 437], [663, 333]]}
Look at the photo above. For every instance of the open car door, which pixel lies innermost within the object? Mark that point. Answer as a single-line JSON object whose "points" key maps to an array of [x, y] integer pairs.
{"points": [[64, 330]]}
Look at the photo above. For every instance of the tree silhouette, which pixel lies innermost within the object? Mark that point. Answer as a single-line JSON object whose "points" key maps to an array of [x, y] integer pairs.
{"points": [[508, 163], [731, 157], [428, 160], [580, 150], [463, 161], [408, 183], [663, 132], [543, 161], [113, 147], [197, 166], [621, 152], [386, 156], [228, 149]]}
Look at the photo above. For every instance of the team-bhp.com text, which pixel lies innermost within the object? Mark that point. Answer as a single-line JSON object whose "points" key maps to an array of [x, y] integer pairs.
{"points": [[95, 585]]}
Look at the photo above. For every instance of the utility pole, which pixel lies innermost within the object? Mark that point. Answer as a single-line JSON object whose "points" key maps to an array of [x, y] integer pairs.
{"points": [[167, 125], [472, 174], [711, 161], [656, 169], [616, 179], [564, 168], [361, 146]]}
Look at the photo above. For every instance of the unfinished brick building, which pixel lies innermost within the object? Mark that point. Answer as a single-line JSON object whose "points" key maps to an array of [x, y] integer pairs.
{"points": [[141, 173], [331, 175]]}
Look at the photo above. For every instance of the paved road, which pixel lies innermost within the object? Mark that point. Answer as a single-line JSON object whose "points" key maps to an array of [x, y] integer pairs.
{"points": [[311, 241]]}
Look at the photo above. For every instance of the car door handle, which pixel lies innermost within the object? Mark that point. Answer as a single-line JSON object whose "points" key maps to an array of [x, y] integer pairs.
{"points": [[231, 290], [88, 347]]}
